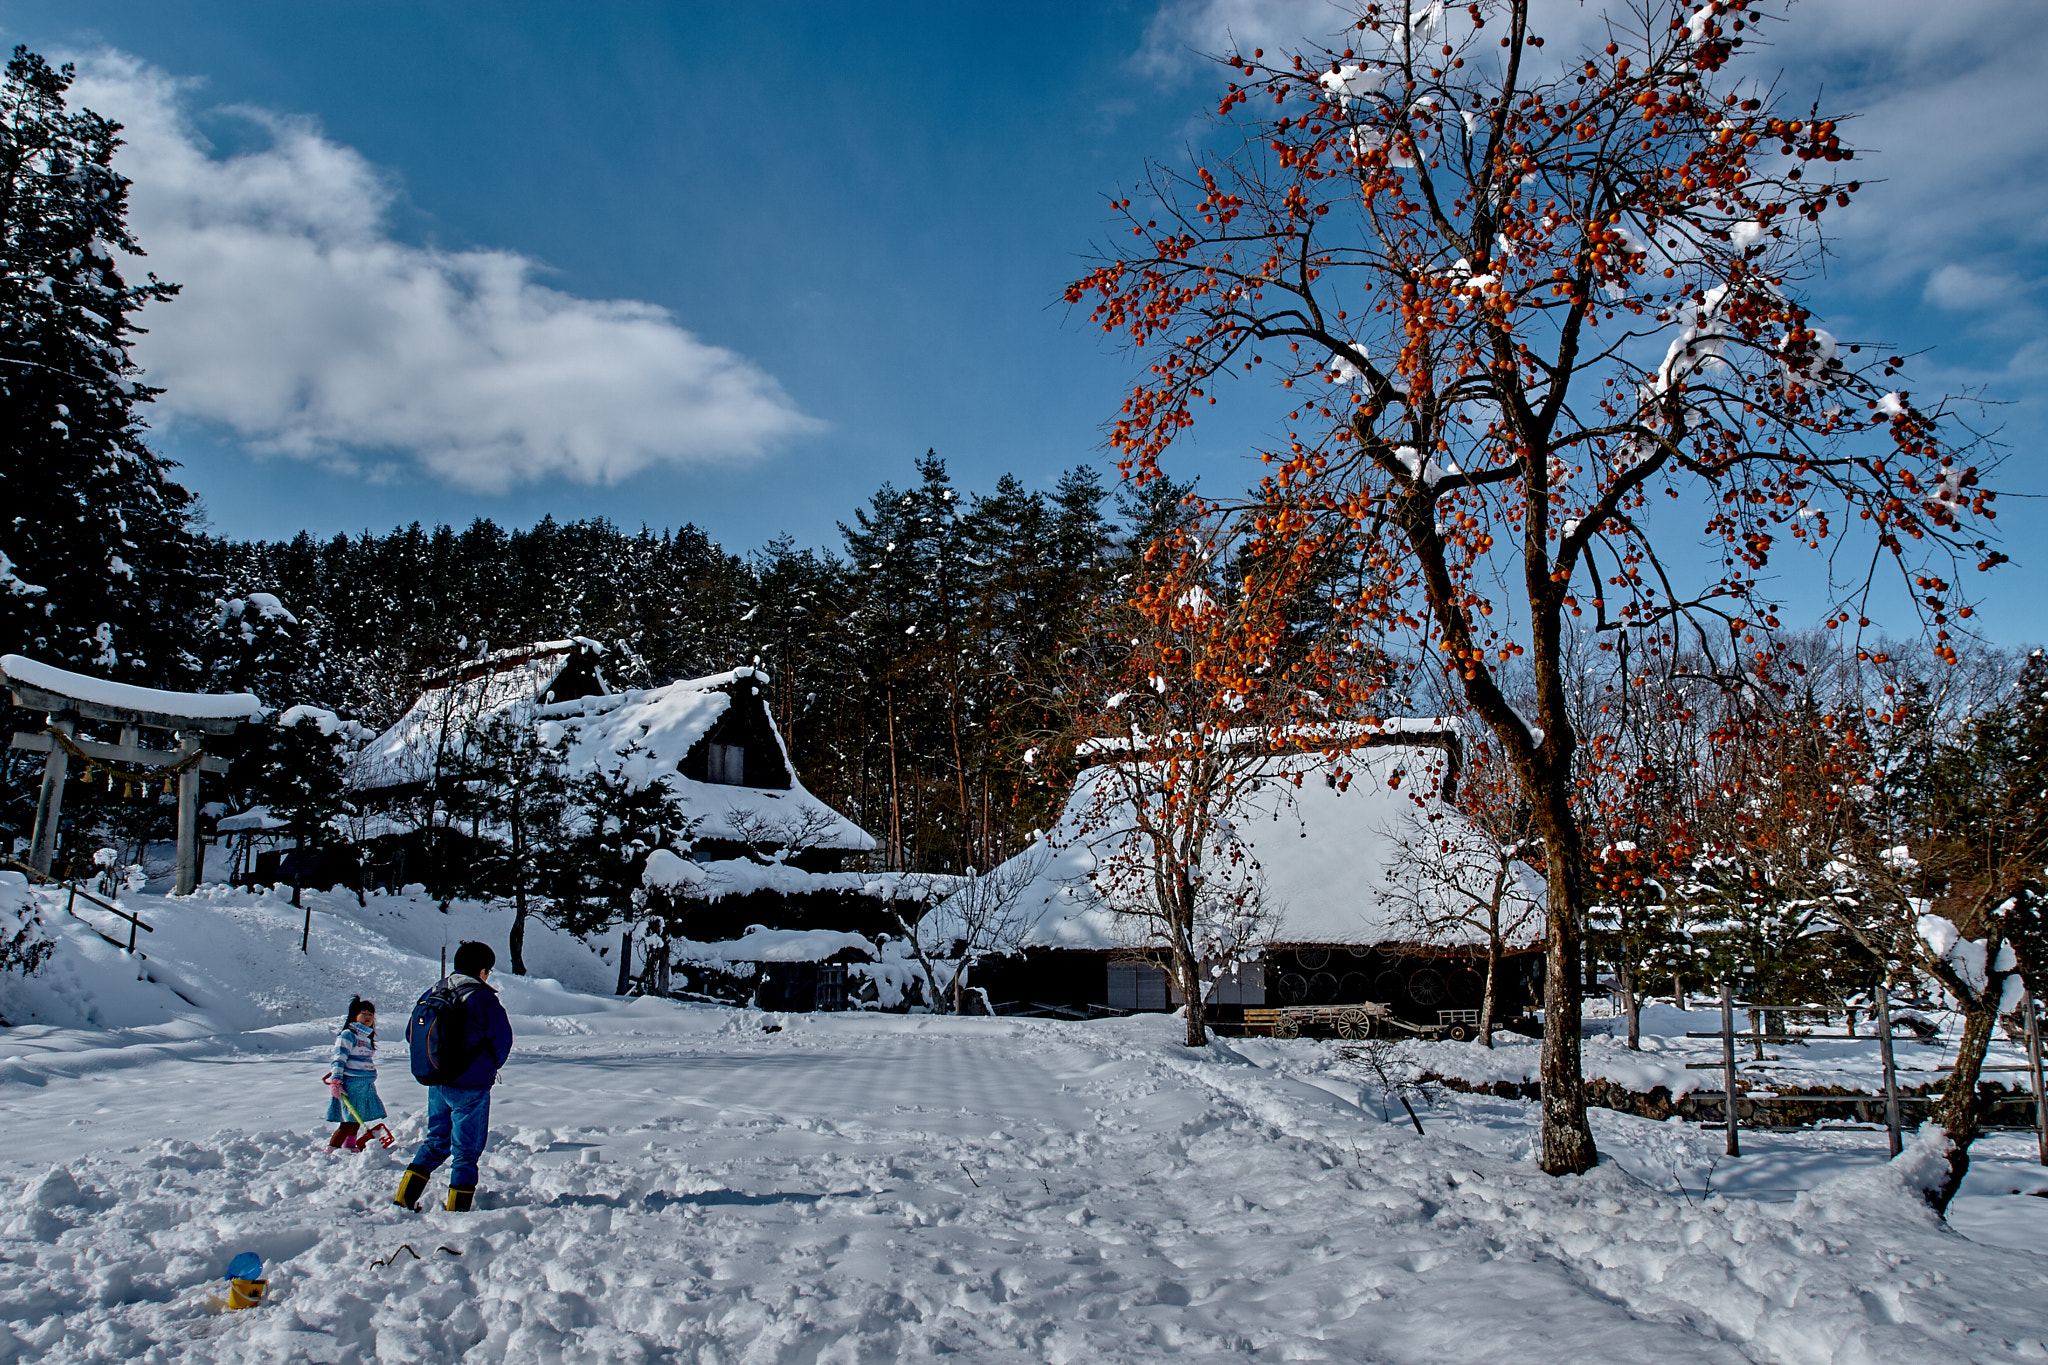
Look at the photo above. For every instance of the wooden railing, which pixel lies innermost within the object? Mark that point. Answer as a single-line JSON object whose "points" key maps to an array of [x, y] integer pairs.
{"points": [[71, 905]]}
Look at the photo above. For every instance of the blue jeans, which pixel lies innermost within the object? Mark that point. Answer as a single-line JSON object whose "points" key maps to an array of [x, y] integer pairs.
{"points": [[457, 1118]]}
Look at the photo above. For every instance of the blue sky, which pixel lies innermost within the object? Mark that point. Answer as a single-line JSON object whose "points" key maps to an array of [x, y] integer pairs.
{"points": [[739, 264]]}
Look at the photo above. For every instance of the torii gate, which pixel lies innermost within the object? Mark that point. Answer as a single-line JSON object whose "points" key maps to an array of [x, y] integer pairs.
{"points": [[68, 697]]}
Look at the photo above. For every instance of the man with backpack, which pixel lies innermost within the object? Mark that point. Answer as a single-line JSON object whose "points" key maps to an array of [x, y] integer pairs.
{"points": [[459, 1037]]}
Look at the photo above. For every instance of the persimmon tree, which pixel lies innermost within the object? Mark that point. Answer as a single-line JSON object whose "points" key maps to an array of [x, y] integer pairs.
{"points": [[1200, 693], [1458, 872], [1534, 324]]}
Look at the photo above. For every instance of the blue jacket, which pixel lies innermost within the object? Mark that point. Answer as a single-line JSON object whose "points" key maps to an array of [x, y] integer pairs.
{"points": [[354, 1052], [489, 1038]]}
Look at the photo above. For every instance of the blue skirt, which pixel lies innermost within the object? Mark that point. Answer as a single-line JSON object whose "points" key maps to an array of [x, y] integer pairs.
{"points": [[362, 1093]]}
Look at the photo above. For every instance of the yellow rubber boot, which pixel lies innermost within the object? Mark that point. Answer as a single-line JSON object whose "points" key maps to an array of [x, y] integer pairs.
{"points": [[460, 1199], [411, 1186]]}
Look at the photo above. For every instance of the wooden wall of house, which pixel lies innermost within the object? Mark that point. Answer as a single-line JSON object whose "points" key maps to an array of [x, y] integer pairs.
{"points": [[1416, 986], [745, 723]]}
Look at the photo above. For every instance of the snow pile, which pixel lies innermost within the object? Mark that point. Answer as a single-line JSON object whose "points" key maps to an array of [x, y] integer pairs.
{"points": [[774, 945], [718, 878], [674, 1183]]}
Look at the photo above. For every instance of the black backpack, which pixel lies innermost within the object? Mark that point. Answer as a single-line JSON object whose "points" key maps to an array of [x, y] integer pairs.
{"points": [[438, 1034]]}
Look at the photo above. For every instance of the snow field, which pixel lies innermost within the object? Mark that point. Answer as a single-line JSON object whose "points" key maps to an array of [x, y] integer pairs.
{"points": [[673, 1183], [679, 1183]]}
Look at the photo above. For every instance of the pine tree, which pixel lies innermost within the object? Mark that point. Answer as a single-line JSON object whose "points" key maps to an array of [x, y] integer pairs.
{"points": [[300, 775], [255, 644], [508, 782], [616, 819], [95, 560]]}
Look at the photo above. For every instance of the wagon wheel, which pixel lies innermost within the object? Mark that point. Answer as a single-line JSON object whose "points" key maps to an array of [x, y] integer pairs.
{"points": [[1426, 987], [1354, 1024], [1286, 1026]]}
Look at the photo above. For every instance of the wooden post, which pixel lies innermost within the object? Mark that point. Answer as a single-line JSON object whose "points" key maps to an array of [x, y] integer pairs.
{"points": [[188, 818], [1891, 1075], [1728, 1064], [51, 806], [2034, 1068]]}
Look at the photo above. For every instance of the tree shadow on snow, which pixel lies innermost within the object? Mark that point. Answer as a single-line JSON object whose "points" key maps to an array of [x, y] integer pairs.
{"points": [[662, 1199]]}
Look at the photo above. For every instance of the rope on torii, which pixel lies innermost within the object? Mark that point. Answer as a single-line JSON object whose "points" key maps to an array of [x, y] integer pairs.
{"points": [[67, 697], [130, 777]]}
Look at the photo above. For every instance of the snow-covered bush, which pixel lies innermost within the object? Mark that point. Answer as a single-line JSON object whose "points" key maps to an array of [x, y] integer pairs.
{"points": [[24, 942], [114, 876]]}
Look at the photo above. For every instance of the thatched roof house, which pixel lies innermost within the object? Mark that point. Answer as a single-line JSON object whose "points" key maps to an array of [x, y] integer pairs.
{"points": [[1349, 919], [409, 756]]}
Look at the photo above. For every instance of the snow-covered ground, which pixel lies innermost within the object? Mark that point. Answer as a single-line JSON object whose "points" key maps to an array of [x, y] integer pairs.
{"points": [[690, 1183]]}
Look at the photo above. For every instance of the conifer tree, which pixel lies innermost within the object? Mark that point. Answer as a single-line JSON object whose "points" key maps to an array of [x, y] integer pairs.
{"points": [[95, 559], [507, 780], [301, 776]]}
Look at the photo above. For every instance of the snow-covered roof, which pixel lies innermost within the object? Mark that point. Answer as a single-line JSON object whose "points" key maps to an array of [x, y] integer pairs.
{"points": [[516, 654], [715, 879], [119, 696], [646, 733], [252, 820], [1324, 854], [774, 945], [511, 682]]}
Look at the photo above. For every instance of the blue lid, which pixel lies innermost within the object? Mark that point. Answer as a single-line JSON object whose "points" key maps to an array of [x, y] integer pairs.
{"points": [[247, 1266]]}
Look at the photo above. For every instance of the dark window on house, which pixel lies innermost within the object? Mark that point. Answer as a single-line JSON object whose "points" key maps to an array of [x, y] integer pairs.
{"points": [[726, 764], [831, 986]]}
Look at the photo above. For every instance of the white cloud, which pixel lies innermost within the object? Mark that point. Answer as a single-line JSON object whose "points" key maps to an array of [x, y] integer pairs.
{"points": [[308, 330], [1962, 289]]}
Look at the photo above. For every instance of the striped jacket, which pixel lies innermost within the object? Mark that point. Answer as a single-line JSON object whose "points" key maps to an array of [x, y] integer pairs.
{"points": [[354, 1052]]}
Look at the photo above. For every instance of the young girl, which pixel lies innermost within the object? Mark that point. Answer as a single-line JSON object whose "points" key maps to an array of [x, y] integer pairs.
{"points": [[353, 1074]]}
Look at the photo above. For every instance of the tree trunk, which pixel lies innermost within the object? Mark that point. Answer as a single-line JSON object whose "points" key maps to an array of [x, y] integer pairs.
{"points": [[1190, 974], [518, 943], [1568, 1147], [625, 957], [1961, 1111], [895, 801], [1486, 1001], [1631, 1003], [960, 767]]}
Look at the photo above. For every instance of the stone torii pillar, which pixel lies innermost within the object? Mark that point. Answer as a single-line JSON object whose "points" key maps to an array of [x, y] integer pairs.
{"points": [[68, 697]]}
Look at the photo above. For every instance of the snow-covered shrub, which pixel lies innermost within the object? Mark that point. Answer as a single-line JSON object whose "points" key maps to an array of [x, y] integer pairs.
{"points": [[24, 942], [115, 876]]}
